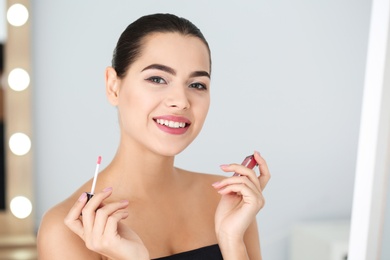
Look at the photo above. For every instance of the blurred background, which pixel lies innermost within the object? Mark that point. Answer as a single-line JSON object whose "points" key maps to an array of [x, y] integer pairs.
{"points": [[287, 80]]}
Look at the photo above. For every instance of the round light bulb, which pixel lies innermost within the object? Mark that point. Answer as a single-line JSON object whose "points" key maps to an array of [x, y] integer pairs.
{"points": [[21, 207], [17, 15], [18, 79], [19, 143]]}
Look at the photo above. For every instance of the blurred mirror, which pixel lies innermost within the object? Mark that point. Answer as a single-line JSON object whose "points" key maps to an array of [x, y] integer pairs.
{"points": [[295, 68], [3, 37], [17, 238]]}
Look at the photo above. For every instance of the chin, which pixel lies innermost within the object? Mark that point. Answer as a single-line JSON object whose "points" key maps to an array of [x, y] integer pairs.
{"points": [[170, 150]]}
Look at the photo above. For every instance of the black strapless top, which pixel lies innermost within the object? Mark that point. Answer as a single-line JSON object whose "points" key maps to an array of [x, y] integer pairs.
{"points": [[204, 253]]}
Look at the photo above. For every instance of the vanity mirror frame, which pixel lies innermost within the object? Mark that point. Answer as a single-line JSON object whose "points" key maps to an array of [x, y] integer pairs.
{"points": [[17, 105], [373, 157]]}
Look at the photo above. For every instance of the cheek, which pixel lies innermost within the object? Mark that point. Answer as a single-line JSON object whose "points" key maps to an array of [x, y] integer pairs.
{"points": [[203, 109], [128, 104], [130, 97], [137, 103]]}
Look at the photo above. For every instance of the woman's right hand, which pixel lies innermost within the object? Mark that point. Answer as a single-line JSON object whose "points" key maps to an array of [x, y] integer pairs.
{"points": [[100, 226]]}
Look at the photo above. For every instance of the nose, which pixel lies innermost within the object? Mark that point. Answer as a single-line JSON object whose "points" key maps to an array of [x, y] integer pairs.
{"points": [[177, 98]]}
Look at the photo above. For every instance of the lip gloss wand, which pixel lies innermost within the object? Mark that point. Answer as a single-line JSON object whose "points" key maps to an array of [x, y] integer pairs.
{"points": [[90, 194]]}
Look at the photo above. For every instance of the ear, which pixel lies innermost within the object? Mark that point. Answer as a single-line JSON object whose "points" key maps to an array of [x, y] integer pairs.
{"points": [[112, 86]]}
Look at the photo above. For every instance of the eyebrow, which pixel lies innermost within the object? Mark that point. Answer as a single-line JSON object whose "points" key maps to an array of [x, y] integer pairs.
{"points": [[170, 70]]}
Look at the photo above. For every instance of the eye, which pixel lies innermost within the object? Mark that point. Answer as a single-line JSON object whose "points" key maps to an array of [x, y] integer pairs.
{"points": [[157, 80], [199, 86]]}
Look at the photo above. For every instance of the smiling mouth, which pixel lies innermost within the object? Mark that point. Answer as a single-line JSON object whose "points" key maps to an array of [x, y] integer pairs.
{"points": [[171, 124]]}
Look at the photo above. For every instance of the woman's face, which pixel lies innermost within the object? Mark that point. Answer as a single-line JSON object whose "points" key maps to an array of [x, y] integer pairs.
{"points": [[164, 98]]}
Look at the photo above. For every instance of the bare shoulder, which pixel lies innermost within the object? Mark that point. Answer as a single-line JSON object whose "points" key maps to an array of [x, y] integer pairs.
{"points": [[55, 240], [201, 185], [208, 178], [201, 178]]}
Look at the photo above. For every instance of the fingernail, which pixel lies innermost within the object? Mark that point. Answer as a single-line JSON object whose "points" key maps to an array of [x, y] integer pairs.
{"points": [[215, 183], [224, 165], [82, 196], [258, 153], [107, 189], [221, 191]]}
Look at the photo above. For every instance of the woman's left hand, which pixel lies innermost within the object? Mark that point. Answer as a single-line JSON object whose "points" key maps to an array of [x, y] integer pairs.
{"points": [[241, 199]]}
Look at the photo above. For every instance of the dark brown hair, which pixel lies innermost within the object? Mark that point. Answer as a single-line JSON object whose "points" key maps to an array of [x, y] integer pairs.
{"points": [[129, 44]]}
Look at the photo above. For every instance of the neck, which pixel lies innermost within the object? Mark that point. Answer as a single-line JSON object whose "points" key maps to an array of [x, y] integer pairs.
{"points": [[138, 173]]}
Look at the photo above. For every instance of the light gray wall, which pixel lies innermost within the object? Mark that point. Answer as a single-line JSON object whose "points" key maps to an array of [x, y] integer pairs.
{"points": [[287, 80]]}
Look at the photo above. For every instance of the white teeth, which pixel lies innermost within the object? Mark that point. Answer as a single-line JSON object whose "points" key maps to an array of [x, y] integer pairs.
{"points": [[171, 124]]}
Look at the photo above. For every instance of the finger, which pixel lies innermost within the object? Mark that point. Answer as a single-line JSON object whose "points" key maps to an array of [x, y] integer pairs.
{"points": [[72, 219], [104, 213], [243, 171], [264, 171], [237, 180], [249, 196], [238, 188], [89, 211], [112, 222]]}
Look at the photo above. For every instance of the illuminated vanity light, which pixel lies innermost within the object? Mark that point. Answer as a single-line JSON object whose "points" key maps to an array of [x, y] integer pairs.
{"points": [[21, 207], [18, 79], [17, 15], [19, 143]]}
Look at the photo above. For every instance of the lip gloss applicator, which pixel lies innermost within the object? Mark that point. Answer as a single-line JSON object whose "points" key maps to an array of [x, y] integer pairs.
{"points": [[248, 162], [90, 194]]}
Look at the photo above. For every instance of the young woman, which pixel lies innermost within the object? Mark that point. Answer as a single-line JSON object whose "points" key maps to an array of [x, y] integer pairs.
{"points": [[148, 208]]}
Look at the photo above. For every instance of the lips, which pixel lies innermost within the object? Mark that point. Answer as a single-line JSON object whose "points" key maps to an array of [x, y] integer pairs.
{"points": [[172, 124]]}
